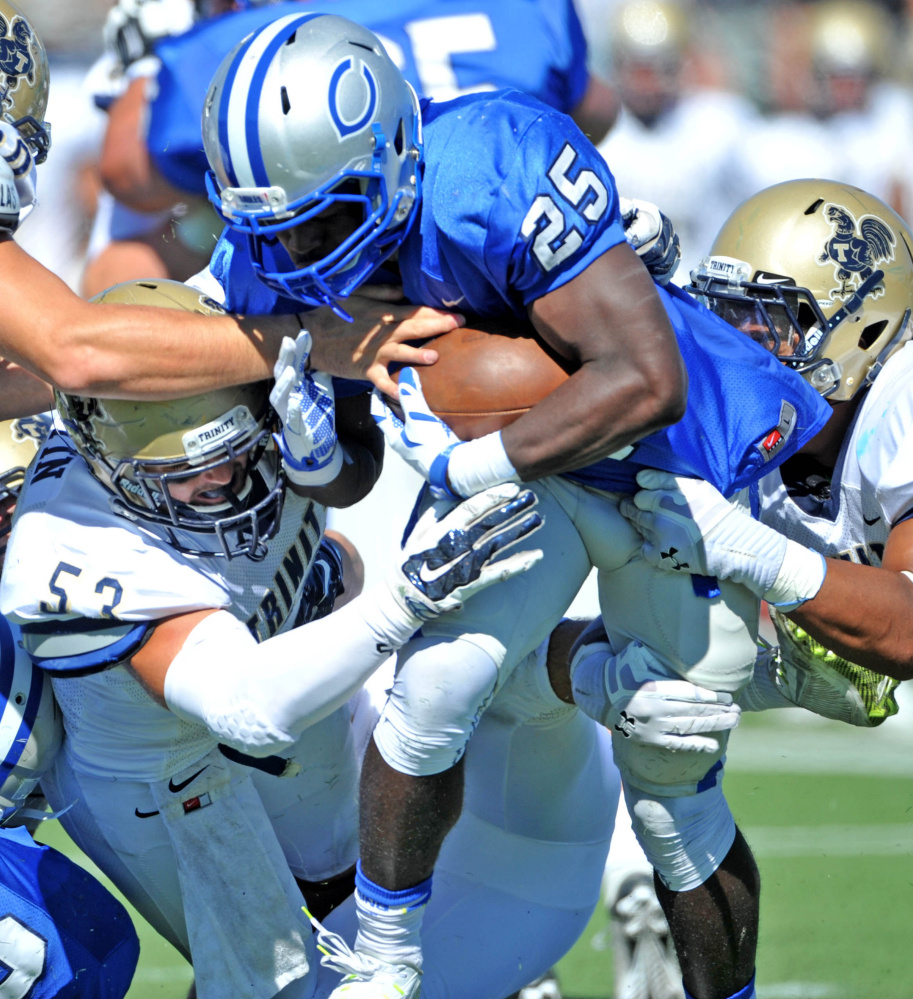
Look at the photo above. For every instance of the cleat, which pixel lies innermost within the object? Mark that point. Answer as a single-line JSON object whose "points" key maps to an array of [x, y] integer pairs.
{"points": [[545, 987], [364, 976], [814, 678], [645, 963]]}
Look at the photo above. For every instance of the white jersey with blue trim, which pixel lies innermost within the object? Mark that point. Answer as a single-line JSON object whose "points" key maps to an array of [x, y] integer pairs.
{"points": [[872, 486], [86, 585], [445, 48]]}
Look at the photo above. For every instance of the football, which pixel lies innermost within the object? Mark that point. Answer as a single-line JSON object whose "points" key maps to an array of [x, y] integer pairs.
{"points": [[489, 374]]}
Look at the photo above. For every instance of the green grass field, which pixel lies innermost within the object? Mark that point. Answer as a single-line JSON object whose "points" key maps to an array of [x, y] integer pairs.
{"points": [[829, 813]]}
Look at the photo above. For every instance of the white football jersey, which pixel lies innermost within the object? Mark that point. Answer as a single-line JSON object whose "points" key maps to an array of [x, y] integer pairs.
{"points": [[85, 582], [872, 485]]}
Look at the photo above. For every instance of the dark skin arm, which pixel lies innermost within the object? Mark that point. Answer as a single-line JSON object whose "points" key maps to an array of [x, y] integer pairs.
{"points": [[631, 380], [22, 393], [364, 444], [864, 613], [138, 352], [597, 111], [126, 168]]}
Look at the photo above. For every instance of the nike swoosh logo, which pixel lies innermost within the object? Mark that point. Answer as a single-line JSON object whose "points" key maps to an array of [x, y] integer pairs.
{"points": [[143, 815], [177, 788], [874, 520], [449, 305], [427, 575], [771, 280]]}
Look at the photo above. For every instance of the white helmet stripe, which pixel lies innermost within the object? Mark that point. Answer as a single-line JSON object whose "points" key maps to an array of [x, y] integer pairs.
{"points": [[237, 137]]}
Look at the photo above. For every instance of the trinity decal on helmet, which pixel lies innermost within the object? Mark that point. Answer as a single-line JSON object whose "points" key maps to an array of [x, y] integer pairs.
{"points": [[204, 467], [821, 274], [24, 79]]}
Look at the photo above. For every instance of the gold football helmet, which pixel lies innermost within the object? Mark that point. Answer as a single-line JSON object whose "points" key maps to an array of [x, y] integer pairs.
{"points": [[24, 79], [818, 272], [205, 465]]}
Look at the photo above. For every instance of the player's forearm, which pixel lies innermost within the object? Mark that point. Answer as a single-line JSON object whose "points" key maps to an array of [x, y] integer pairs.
{"points": [[126, 351], [361, 469], [597, 412], [21, 393], [260, 698], [631, 379], [126, 167], [864, 614]]}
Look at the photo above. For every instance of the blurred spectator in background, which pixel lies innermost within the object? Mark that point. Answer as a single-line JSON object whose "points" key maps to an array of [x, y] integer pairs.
{"points": [[836, 112], [677, 142], [68, 181]]}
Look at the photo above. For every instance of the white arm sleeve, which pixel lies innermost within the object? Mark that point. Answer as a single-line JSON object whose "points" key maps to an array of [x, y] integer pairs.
{"points": [[260, 698]]}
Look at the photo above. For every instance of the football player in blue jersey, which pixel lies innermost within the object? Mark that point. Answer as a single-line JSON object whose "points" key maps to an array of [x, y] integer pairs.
{"points": [[63, 935], [57, 336], [331, 172], [152, 158]]}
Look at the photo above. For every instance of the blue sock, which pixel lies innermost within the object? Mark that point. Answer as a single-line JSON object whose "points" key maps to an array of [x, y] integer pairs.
{"points": [[746, 993], [407, 898]]}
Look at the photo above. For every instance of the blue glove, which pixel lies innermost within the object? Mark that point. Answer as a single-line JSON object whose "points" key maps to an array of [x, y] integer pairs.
{"points": [[305, 403], [422, 440]]}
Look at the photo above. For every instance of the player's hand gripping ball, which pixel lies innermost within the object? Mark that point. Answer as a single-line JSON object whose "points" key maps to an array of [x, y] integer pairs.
{"points": [[489, 375]]}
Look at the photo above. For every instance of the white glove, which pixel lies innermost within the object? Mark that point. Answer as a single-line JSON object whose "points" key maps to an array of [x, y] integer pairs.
{"points": [[423, 441], [20, 162], [452, 552], [631, 696], [453, 468], [667, 734], [310, 450], [652, 236], [133, 26], [688, 526]]}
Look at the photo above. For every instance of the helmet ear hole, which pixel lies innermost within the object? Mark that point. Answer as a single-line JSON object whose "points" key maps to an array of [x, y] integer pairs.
{"points": [[871, 333]]}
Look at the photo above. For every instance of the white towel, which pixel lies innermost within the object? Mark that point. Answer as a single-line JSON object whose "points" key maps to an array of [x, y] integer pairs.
{"points": [[248, 935]]}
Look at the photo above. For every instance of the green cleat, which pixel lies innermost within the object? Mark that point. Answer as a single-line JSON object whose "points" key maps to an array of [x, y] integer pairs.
{"points": [[814, 678]]}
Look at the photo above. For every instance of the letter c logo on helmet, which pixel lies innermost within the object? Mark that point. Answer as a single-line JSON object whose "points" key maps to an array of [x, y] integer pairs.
{"points": [[343, 95]]}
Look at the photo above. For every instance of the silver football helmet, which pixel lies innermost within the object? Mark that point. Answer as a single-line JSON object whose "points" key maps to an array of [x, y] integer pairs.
{"points": [[309, 126], [818, 272], [202, 466], [31, 729], [24, 79]]}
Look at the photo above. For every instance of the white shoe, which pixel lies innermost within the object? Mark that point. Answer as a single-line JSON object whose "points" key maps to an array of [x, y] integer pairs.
{"points": [[814, 678], [545, 987], [364, 976], [645, 963]]}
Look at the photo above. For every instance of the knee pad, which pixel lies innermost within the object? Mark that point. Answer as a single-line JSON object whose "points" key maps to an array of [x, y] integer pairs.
{"points": [[440, 691], [685, 839]]}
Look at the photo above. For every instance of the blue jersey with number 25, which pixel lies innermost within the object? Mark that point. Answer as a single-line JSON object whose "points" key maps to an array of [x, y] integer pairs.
{"points": [[515, 203]]}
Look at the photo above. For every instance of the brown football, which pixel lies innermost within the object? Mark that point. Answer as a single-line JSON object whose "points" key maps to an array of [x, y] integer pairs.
{"points": [[489, 374]]}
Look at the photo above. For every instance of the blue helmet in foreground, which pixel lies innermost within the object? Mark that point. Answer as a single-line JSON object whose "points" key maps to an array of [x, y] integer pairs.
{"points": [[314, 140]]}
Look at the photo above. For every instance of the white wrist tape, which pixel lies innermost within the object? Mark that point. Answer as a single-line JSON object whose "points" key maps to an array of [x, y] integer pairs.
{"points": [[476, 465], [321, 476], [800, 577]]}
